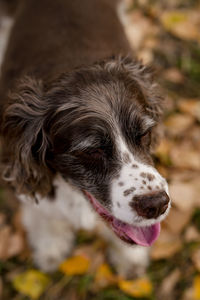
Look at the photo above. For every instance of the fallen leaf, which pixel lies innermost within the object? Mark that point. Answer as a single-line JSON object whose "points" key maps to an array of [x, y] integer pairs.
{"points": [[196, 259], [163, 151], [184, 24], [191, 234], [168, 284], [176, 221], [167, 245], [5, 233], [185, 156], [177, 123], [190, 106], [183, 195], [1, 288], [188, 294], [104, 276], [138, 288], [16, 245], [137, 28], [173, 75], [196, 286], [95, 252], [11, 244], [75, 265], [31, 283], [2, 219]]}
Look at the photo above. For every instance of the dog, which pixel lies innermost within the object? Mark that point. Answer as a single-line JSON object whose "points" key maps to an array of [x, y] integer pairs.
{"points": [[79, 118]]}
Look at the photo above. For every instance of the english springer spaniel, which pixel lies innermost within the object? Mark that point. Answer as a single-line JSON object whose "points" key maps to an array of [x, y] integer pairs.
{"points": [[79, 117]]}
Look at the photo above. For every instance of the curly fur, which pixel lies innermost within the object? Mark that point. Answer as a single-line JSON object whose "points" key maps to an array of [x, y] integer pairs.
{"points": [[32, 119]]}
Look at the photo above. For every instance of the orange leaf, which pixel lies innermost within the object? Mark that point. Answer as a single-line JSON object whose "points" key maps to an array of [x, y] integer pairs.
{"points": [[138, 288], [104, 276], [75, 265], [196, 285]]}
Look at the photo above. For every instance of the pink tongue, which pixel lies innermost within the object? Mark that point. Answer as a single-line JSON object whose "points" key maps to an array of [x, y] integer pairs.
{"points": [[144, 236]]}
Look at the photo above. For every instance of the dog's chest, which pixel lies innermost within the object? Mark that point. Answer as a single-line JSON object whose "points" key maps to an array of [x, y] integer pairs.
{"points": [[69, 204]]}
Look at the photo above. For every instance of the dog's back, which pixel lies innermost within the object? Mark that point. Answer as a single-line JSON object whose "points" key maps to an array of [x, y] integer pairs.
{"points": [[51, 37]]}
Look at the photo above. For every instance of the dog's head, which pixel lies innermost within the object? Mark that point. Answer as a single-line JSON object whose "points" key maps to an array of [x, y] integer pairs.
{"points": [[96, 127]]}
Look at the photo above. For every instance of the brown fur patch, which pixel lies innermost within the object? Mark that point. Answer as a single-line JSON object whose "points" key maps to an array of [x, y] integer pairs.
{"points": [[126, 158], [135, 166], [144, 175], [129, 191], [150, 176]]}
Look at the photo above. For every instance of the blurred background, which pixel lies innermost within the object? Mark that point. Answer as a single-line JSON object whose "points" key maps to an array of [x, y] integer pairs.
{"points": [[166, 35]]}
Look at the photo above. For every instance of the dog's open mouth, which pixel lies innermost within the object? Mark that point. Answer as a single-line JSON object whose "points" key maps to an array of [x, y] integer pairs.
{"points": [[143, 236]]}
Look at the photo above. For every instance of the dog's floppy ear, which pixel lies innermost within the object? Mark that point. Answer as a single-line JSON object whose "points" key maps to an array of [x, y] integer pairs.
{"points": [[143, 75], [151, 90], [25, 142]]}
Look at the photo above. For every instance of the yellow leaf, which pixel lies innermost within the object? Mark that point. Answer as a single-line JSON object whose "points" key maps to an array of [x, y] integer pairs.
{"points": [[196, 285], [183, 24], [141, 287], [104, 276], [75, 265], [31, 283], [172, 18]]}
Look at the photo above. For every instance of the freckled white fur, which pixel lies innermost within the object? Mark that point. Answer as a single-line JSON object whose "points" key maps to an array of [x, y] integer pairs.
{"points": [[130, 177], [129, 260], [51, 225]]}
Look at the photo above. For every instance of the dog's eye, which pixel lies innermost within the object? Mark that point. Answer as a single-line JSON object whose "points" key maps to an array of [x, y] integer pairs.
{"points": [[91, 153], [144, 138]]}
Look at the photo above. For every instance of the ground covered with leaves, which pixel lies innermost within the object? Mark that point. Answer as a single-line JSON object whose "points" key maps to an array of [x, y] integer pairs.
{"points": [[165, 34]]}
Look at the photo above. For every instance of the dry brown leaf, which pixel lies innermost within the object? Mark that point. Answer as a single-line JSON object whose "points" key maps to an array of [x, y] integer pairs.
{"points": [[11, 244], [16, 245], [137, 27], [182, 23], [177, 220], [196, 259], [184, 156], [5, 234], [183, 195], [163, 151], [191, 234], [173, 75], [2, 219], [168, 284], [188, 294], [166, 245], [1, 288], [194, 136], [177, 123], [190, 106]]}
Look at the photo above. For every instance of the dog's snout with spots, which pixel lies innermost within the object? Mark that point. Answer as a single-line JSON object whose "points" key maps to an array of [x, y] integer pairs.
{"points": [[151, 205]]}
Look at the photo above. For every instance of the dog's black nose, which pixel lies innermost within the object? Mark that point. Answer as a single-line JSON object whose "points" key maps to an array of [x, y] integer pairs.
{"points": [[151, 205]]}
